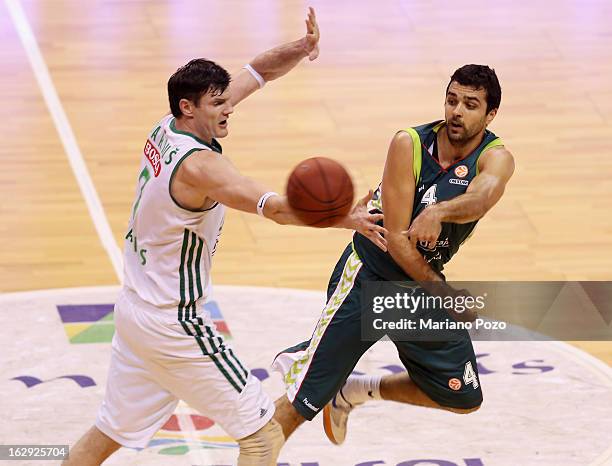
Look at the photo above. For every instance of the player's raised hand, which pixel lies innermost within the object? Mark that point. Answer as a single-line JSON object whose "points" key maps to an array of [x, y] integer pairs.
{"points": [[426, 227], [311, 39], [366, 223]]}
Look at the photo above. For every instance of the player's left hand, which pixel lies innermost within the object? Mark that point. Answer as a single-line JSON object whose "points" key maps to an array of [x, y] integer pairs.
{"points": [[426, 227], [311, 40], [365, 223]]}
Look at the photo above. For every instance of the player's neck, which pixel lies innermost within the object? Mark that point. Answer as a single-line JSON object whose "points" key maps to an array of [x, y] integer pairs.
{"points": [[186, 125], [449, 153]]}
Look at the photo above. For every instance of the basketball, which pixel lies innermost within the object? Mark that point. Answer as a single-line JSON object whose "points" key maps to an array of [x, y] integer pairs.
{"points": [[320, 192]]}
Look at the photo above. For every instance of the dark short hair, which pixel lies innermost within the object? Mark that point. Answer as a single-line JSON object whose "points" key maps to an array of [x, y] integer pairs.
{"points": [[194, 80], [479, 77]]}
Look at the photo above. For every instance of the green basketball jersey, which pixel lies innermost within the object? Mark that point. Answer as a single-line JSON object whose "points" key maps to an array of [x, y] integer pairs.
{"points": [[433, 184]]}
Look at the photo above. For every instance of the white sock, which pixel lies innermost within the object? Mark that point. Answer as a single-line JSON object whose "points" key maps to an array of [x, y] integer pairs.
{"points": [[361, 388]]}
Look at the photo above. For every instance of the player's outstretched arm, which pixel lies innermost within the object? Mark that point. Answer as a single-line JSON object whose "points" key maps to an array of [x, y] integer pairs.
{"points": [[207, 175], [495, 166], [398, 188], [276, 62]]}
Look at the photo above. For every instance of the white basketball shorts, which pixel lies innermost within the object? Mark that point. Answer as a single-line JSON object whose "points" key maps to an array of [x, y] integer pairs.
{"points": [[158, 360]]}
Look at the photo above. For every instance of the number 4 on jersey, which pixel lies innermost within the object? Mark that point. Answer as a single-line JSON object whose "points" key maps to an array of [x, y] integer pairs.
{"points": [[429, 197], [469, 376]]}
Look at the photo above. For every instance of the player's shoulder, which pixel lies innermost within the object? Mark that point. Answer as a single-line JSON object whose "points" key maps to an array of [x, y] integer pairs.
{"points": [[402, 137], [195, 163], [498, 159], [498, 152]]}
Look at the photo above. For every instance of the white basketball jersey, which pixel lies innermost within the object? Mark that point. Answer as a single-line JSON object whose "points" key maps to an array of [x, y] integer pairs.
{"points": [[168, 249]]}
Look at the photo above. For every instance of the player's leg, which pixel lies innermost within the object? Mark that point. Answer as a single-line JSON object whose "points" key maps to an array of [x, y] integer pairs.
{"points": [[91, 449], [134, 405], [262, 447], [441, 375], [214, 381], [401, 388], [315, 370]]}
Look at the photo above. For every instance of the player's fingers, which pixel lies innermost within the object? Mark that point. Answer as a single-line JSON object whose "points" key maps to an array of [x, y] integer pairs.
{"points": [[365, 199], [382, 239], [312, 16], [380, 230], [376, 217], [315, 27], [378, 241]]}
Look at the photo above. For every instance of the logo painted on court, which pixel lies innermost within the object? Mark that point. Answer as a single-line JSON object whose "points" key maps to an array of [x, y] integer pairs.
{"points": [[82, 381], [87, 323], [461, 171], [94, 323], [171, 441], [536, 367]]}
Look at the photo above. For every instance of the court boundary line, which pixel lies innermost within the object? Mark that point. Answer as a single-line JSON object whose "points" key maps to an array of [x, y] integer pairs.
{"points": [[64, 130]]}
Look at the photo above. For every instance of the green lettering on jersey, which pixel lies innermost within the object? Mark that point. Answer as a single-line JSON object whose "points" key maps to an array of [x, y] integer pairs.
{"points": [[143, 259], [146, 176], [164, 147], [129, 236], [168, 161], [154, 133]]}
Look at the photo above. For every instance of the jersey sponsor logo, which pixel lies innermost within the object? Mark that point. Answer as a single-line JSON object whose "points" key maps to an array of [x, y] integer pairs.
{"points": [[460, 182], [153, 156], [442, 243], [454, 384], [461, 171]]}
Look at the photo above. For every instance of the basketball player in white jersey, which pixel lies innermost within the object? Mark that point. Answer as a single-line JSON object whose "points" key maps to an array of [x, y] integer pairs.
{"points": [[166, 347]]}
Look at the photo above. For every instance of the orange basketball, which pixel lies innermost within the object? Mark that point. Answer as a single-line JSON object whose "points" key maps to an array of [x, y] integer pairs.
{"points": [[320, 191]]}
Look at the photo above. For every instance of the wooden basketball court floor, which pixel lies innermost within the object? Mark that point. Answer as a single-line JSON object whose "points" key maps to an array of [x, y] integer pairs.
{"points": [[383, 66]]}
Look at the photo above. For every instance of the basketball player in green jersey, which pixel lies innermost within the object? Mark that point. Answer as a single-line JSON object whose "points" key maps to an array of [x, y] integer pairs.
{"points": [[439, 180], [166, 347]]}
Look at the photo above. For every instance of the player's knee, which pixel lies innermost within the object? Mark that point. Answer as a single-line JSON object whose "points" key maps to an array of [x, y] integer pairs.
{"points": [[262, 447]]}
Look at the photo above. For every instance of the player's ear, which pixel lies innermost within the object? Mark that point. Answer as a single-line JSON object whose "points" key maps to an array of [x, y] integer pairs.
{"points": [[490, 116], [186, 107]]}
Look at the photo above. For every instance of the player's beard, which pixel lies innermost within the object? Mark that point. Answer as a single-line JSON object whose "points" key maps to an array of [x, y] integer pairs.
{"points": [[461, 138]]}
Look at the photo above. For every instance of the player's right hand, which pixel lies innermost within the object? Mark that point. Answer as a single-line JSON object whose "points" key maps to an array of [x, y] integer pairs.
{"points": [[311, 39], [361, 220]]}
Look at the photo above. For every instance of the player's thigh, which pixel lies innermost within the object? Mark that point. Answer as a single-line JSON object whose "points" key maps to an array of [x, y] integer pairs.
{"points": [[135, 406], [315, 370], [208, 375], [445, 370]]}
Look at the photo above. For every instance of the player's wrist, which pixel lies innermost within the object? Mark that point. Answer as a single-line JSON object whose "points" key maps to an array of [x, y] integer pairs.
{"points": [[348, 222], [436, 212], [266, 199]]}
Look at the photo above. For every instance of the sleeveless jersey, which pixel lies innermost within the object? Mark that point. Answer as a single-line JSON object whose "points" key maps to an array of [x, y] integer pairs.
{"points": [[168, 249], [433, 184]]}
